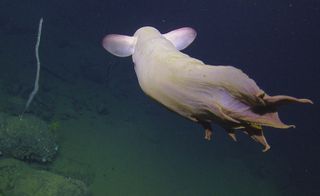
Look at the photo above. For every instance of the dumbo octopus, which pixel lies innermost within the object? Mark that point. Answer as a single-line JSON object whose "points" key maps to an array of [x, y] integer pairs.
{"points": [[197, 91]]}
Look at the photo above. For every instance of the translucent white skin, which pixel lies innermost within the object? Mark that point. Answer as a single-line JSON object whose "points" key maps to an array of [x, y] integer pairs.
{"points": [[188, 86], [202, 93], [160, 67]]}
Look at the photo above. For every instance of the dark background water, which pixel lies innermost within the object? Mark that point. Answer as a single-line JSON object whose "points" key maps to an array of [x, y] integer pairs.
{"points": [[275, 42]]}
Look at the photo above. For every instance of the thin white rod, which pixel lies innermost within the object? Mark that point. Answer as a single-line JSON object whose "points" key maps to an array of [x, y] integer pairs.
{"points": [[36, 82]]}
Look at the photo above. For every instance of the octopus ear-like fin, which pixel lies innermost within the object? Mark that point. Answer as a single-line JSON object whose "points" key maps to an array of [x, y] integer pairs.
{"points": [[119, 45], [181, 38]]}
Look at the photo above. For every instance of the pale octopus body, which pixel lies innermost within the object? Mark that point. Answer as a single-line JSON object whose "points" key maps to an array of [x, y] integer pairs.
{"points": [[202, 93]]}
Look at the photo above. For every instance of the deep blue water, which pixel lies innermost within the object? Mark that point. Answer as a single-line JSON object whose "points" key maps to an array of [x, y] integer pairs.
{"points": [[277, 43]]}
